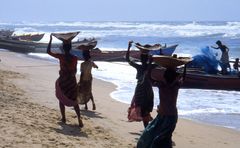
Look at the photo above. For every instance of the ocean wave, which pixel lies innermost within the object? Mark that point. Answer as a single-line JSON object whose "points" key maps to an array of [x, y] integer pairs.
{"points": [[203, 111], [25, 30], [142, 29]]}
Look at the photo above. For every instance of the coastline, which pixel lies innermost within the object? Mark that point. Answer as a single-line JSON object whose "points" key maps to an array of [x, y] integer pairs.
{"points": [[37, 81]]}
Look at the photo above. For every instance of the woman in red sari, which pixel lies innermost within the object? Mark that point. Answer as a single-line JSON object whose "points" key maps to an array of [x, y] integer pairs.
{"points": [[142, 101], [66, 84]]}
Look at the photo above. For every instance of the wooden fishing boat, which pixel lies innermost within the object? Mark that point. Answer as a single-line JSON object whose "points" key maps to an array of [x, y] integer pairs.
{"points": [[98, 55], [120, 55], [6, 33], [200, 80], [16, 45], [24, 46]]}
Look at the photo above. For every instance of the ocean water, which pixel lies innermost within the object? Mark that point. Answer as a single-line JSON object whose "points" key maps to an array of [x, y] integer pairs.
{"points": [[216, 107]]}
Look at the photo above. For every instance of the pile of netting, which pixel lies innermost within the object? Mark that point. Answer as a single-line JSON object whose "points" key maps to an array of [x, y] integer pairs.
{"points": [[207, 61]]}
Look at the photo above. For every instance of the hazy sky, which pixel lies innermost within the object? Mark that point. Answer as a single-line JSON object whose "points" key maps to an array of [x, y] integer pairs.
{"points": [[119, 10]]}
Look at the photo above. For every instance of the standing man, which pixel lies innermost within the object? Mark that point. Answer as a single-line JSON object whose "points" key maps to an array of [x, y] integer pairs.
{"points": [[224, 61]]}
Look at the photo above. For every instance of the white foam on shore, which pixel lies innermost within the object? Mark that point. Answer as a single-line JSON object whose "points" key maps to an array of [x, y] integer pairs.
{"points": [[190, 101]]}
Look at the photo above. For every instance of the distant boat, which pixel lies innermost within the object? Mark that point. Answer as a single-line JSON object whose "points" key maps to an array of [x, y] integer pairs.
{"points": [[201, 80], [17, 46], [120, 55], [6, 33], [29, 37], [26, 46]]}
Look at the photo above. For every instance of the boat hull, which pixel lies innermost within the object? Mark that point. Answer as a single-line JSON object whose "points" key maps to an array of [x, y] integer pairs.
{"points": [[120, 55], [204, 81], [23, 46], [97, 55]]}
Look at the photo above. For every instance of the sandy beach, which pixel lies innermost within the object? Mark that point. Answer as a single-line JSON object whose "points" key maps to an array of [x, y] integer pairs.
{"points": [[30, 117]]}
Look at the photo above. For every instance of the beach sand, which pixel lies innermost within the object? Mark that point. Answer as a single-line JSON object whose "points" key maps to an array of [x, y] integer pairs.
{"points": [[30, 117]]}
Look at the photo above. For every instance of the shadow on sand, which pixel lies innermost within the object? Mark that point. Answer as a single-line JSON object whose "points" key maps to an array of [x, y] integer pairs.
{"points": [[71, 130], [91, 114], [134, 133]]}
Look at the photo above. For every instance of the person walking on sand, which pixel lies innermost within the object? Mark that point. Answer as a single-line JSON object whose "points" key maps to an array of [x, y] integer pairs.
{"points": [[85, 83], [224, 61], [158, 134], [142, 101], [66, 84]]}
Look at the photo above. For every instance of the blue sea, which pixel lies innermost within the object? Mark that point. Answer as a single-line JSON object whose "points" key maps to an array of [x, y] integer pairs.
{"points": [[217, 107]]}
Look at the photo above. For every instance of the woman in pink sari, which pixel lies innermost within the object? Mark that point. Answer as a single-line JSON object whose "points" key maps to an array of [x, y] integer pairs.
{"points": [[66, 84]]}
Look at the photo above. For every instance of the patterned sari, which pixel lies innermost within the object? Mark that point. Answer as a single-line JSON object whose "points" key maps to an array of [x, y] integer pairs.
{"points": [[142, 102], [66, 84]]}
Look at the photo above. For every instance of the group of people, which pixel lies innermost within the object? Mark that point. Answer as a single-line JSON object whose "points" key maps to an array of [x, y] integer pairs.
{"points": [[70, 93], [157, 133]]}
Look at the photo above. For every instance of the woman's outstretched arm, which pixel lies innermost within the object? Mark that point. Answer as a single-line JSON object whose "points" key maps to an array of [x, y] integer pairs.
{"points": [[128, 50], [49, 48]]}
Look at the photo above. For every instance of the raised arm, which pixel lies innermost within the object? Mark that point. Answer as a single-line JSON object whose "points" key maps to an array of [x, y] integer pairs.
{"points": [[95, 65], [128, 51], [49, 45], [49, 48], [184, 72], [214, 47]]}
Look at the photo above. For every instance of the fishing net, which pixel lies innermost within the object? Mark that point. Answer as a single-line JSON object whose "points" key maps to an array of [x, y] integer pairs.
{"points": [[207, 61]]}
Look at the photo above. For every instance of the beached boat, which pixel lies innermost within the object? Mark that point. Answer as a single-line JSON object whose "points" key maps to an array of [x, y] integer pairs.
{"points": [[16, 45], [201, 80], [98, 55], [6, 33], [120, 55], [29, 37], [24, 46]]}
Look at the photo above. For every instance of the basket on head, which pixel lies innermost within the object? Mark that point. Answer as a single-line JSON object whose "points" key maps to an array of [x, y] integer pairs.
{"points": [[66, 37], [148, 46], [145, 49], [171, 61]]}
